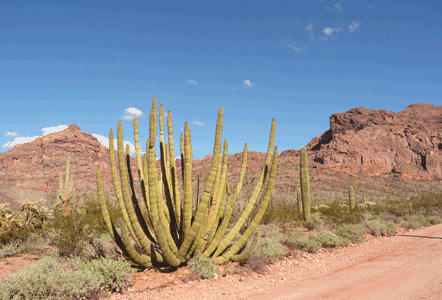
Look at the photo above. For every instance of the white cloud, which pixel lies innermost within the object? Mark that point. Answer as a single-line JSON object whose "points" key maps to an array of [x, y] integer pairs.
{"points": [[369, 7], [233, 88], [247, 83], [309, 28], [297, 49], [354, 25], [23, 140], [105, 142], [329, 31], [131, 113], [192, 81], [198, 123]]}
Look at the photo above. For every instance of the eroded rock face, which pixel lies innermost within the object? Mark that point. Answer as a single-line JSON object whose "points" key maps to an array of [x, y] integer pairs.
{"points": [[33, 168], [407, 143]]}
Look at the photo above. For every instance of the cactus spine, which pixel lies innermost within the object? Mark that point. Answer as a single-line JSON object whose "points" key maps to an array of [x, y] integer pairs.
{"points": [[172, 231], [300, 210], [351, 199], [305, 185], [66, 195]]}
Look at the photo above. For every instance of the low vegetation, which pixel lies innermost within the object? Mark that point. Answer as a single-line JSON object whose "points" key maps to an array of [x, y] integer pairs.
{"points": [[86, 263]]}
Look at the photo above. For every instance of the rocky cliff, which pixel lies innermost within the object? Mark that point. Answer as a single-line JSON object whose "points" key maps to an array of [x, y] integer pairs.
{"points": [[31, 170], [408, 143]]}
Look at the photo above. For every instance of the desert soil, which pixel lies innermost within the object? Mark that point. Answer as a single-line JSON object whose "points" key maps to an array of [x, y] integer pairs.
{"points": [[405, 266]]}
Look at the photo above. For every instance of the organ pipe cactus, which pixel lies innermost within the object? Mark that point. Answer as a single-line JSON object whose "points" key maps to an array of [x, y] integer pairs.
{"points": [[300, 202], [305, 185], [66, 195], [351, 199], [168, 228]]}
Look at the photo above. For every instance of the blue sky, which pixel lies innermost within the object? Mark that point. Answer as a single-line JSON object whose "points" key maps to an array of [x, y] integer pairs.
{"points": [[93, 63]]}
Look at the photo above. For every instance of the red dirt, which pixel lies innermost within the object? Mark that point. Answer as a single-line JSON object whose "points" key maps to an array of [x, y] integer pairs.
{"points": [[405, 266]]}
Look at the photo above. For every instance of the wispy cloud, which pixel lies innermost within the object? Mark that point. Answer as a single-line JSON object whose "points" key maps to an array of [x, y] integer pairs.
{"points": [[309, 28], [339, 8], [297, 49], [192, 81], [198, 123], [247, 83], [369, 7], [131, 113], [354, 25]]}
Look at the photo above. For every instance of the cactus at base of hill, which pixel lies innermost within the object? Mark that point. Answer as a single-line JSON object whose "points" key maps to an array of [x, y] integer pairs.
{"points": [[66, 195], [351, 199], [300, 210], [305, 185]]}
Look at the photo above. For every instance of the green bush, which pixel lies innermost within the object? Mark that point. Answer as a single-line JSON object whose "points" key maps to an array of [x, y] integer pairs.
{"points": [[330, 240], [298, 240], [203, 266], [434, 220], [353, 232], [416, 221], [270, 248], [374, 227], [78, 281], [389, 228], [336, 214]]}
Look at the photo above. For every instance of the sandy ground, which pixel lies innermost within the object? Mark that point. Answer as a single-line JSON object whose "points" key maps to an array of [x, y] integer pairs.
{"points": [[405, 266]]}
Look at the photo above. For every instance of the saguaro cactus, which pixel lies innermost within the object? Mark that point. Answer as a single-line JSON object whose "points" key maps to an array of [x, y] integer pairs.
{"points": [[351, 199], [305, 185], [300, 210], [66, 195], [166, 231]]}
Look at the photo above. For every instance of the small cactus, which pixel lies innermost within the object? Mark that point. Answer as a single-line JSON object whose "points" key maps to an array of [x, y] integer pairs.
{"points": [[351, 199], [305, 185], [66, 195]]}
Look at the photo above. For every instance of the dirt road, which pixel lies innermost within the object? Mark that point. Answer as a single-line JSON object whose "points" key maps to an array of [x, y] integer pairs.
{"points": [[409, 268], [405, 266]]}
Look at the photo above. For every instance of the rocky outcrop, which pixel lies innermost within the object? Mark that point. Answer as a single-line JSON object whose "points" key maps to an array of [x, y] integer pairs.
{"points": [[31, 170], [408, 143]]}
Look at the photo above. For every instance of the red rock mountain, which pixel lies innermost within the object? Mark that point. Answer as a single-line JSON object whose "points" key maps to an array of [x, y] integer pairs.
{"points": [[379, 141], [31, 170], [360, 142]]}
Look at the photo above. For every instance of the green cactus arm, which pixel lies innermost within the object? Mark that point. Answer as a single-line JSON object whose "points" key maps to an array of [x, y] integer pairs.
{"points": [[251, 204], [246, 254], [305, 185], [212, 221], [127, 197], [210, 247], [141, 171], [187, 183], [60, 189], [254, 224], [168, 254], [117, 186], [188, 239], [176, 192], [299, 198], [220, 182], [124, 244]]}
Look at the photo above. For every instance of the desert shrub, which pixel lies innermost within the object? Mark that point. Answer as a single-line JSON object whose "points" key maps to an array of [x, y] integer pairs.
{"points": [[270, 248], [203, 266], [427, 202], [434, 220], [271, 231], [328, 239], [389, 228], [78, 281], [415, 221], [336, 214], [298, 240], [257, 262], [353, 232], [71, 233], [374, 227]]}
